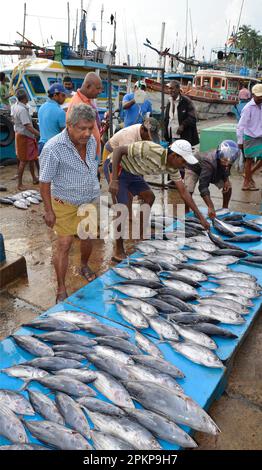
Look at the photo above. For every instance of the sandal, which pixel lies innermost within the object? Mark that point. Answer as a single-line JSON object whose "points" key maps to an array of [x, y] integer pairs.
{"points": [[118, 259], [61, 296], [249, 188], [87, 273], [36, 181]]}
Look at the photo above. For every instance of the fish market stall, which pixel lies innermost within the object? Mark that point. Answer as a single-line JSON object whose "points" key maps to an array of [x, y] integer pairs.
{"points": [[166, 324]]}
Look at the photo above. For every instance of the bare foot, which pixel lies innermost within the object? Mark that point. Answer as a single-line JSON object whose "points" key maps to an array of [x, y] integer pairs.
{"points": [[118, 257], [21, 188], [87, 273], [61, 296]]}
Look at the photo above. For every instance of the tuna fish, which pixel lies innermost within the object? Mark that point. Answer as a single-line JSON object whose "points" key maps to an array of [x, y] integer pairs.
{"points": [[83, 375], [119, 343], [107, 351], [198, 354], [132, 316], [44, 406], [214, 330], [163, 328], [186, 291], [70, 355], [134, 291], [93, 404], [246, 238], [147, 345], [224, 315], [11, 427], [66, 337], [144, 373], [103, 441], [144, 307], [195, 337], [23, 447], [54, 363], [25, 372], [67, 385], [160, 365], [49, 323], [73, 414], [175, 406], [33, 345], [57, 435], [113, 390], [16, 402], [127, 273], [198, 255]]}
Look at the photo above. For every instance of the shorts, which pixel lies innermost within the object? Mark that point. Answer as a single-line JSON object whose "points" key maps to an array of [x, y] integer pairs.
{"points": [[128, 183], [191, 179], [40, 147], [76, 220]]}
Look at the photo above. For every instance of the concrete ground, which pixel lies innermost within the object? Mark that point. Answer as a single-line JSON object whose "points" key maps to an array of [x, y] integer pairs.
{"points": [[238, 412]]}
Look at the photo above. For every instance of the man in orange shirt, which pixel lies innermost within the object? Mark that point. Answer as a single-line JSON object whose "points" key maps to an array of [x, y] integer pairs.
{"points": [[90, 89]]}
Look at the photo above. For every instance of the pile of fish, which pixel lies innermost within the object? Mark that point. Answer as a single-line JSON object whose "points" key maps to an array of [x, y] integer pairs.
{"points": [[77, 358], [22, 200], [94, 374]]}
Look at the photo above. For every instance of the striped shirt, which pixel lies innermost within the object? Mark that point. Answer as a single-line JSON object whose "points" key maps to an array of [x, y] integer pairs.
{"points": [[148, 158], [72, 179]]}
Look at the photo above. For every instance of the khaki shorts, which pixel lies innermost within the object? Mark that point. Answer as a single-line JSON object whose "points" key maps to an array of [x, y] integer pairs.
{"points": [[76, 220], [191, 179]]}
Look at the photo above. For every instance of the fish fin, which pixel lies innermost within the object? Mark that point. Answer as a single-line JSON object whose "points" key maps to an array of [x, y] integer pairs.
{"points": [[24, 386]]}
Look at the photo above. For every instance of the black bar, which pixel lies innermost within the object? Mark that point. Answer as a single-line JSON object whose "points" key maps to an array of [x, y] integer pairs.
{"points": [[109, 80]]}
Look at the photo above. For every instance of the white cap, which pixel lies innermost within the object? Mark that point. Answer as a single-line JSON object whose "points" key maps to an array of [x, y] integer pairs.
{"points": [[140, 83], [184, 149]]}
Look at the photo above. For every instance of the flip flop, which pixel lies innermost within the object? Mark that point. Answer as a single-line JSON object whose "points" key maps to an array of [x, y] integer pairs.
{"points": [[61, 296], [250, 188], [87, 273], [117, 259]]}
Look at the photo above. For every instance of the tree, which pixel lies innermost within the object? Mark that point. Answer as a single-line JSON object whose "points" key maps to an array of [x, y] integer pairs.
{"points": [[250, 40]]}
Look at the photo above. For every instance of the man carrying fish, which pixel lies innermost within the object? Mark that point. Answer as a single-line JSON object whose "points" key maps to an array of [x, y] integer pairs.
{"points": [[213, 168], [68, 179], [149, 158]]}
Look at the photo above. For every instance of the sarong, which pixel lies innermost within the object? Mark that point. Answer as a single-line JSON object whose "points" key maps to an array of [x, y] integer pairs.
{"points": [[26, 148], [253, 147]]}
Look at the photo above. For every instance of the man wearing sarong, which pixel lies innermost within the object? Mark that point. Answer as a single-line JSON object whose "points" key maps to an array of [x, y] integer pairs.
{"points": [[25, 137], [249, 134]]}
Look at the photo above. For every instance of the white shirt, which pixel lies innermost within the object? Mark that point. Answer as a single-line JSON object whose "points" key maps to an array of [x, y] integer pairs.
{"points": [[173, 118]]}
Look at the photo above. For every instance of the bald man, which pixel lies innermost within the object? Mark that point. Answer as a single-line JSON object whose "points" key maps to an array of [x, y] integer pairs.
{"points": [[90, 89]]}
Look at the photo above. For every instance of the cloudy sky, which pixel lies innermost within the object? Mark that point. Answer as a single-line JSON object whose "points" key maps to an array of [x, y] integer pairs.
{"points": [[46, 22]]}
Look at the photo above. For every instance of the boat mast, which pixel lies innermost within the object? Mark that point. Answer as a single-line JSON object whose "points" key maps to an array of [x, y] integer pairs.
{"points": [[24, 22], [161, 50], [101, 31], [68, 23], [186, 33]]}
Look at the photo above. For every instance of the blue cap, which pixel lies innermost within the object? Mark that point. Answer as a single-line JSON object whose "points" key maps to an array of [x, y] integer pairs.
{"points": [[57, 88], [229, 150]]}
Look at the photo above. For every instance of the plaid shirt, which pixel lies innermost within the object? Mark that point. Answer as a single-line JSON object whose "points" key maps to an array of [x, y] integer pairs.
{"points": [[72, 179]]}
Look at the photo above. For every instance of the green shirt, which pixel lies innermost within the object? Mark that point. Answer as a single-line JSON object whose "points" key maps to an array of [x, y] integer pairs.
{"points": [[148, 158], [3, 93]]}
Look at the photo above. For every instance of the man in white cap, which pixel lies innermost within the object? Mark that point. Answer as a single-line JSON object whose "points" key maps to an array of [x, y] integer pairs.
{"points": [[249, 136], [149, 158], [136, 105]]}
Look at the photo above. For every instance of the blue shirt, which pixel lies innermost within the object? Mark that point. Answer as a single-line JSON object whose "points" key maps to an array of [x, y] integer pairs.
{"points": [[52, 120], [72, 179], [136, 113]]}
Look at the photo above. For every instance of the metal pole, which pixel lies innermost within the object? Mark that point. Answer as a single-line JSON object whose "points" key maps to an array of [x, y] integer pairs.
{"points": [[101, 32], [68, 24], [162, 111], [24, 22], [161, 49], [110, 100]]}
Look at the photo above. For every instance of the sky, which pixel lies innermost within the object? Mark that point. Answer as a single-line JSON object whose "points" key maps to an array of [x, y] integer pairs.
{"points": [[46, 22]]}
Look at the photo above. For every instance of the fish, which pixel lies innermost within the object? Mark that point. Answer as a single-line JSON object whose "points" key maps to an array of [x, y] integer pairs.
{"points": [[134, 291], [33, 346], [223, 315], [222, 212], [33, 200], [54, 363], [25, 372], [23, 447], [252, 225], [176, 275], [224, 303], [163, 264], [163, 328], [83, 375], [223, 228], [70, 355], [73, 317], [162, 427], [224, 259], [248, 238], [235, 274], [145, 248], [113, 390], [72, 414], [70, 347], [233, 217], [146, 273], [198, 255], [188, 318], [6, 200], [26, 194], [162, 306], [252, 260], [179, 304], [176, 406], [195, 337], [240, 299], [201, 246], [127, 273], [229, 252], [221, 243], [161, 365], [258, 220], [16, 402], [11, 426], [247, 292], [109, 364], [44, 406], [119, 343], [245, 283], [144, 373], [211, 268], [49, 323], [57, 435], [21, 204], [141, 283], [107, 351], [132, 316], [198, 354], [67, 385], [178, 289], [172, 257], [145, 263], [214, 330], [65, 337], [105, 330], [194, 275], [93, 404], [103, 441], [133, 432], [147, 345], [164, 245], [144, 307]]}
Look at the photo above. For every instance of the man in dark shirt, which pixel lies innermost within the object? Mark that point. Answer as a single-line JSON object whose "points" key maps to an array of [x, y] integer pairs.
{"points": [[213, 168]]}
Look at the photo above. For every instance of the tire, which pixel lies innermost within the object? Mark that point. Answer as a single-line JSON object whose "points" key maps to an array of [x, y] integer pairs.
{"points": [[6, 126]]}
